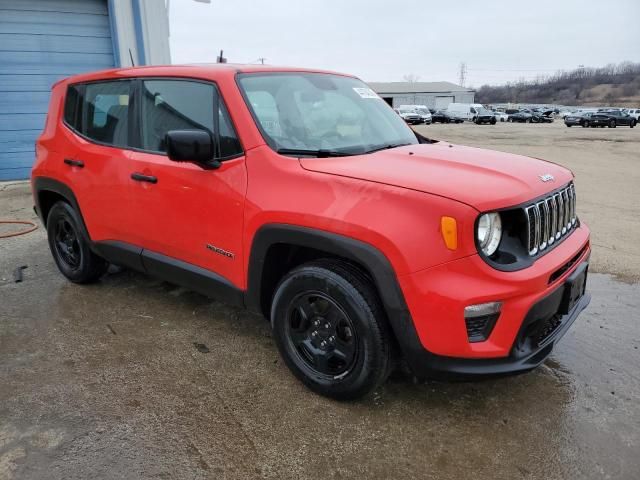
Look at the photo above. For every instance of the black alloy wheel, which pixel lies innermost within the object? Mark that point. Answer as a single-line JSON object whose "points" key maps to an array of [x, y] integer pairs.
{"points": [[585, 124], [331, 329], [612, 123], [322, 334], [69, 246]]}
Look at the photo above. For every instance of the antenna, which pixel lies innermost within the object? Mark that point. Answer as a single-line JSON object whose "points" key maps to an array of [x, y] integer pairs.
{"points": [[221, 58], [463, 74], [133, 64]]}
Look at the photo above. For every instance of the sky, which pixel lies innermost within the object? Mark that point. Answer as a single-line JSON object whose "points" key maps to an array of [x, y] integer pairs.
{"points": [[386, 40]]}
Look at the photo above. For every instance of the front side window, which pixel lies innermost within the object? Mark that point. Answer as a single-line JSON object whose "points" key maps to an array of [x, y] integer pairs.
{"points": [[321, 112], [185, 105]]}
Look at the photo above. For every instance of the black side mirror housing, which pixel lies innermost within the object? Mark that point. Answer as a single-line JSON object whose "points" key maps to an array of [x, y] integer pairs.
{"points": [[191, 146]]}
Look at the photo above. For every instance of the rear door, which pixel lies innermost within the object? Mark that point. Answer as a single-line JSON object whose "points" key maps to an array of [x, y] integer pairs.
{"points": [[100, 115], [184, 210]]}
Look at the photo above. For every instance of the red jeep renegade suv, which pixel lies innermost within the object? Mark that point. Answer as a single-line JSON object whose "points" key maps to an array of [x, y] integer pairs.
{"points": [[302, 195]]}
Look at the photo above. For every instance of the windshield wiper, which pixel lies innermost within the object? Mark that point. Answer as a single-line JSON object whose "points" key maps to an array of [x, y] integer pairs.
{"points": [[313, 153], [388, 146]]}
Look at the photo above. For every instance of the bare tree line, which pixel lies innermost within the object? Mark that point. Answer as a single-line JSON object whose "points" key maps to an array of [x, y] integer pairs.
{"points": [[568, 87]]}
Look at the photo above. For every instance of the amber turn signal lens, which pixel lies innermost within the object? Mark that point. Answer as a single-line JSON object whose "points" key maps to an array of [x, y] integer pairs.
{"points": [[449, 229]]}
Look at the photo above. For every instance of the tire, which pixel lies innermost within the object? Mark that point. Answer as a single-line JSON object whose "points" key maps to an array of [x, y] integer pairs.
{"points": [[568, 126], [493, 121], [632, 124], [305, 302], [612, 124], [585, 124], [70, 248], [528, 120]]}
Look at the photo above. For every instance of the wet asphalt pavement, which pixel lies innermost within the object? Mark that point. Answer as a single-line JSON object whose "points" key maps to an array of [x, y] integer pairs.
{"points": [[106, 381]]}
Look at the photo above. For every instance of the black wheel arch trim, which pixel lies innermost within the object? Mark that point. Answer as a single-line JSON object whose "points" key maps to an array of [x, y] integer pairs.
{"points": [[364, 254], [47, 184]]}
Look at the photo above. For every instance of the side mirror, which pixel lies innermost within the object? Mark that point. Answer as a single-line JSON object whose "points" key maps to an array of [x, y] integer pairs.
{"points": [[191, 146]]}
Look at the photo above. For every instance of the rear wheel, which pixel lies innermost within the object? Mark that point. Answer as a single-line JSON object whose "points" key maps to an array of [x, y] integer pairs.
{"points": [[632, 124], [69, 247], [331, 330], [585, 124]]}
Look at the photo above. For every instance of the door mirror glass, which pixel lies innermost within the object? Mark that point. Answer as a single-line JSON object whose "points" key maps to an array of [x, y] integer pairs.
{"points": [[189, 146]]}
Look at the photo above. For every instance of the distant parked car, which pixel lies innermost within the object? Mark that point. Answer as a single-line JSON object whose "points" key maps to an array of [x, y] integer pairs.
{"points": [[442, 116], [576, 119], [542, 116], [409, 115], [608, 119], [613, 119], [500, 116], [532, 116], [465, 111], [421, 110], [484, 116], [635, 113], [522, 116]]}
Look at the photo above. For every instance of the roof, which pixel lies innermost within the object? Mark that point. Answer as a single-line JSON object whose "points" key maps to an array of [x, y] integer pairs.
{"points": [[417, 87], [204, 70]]}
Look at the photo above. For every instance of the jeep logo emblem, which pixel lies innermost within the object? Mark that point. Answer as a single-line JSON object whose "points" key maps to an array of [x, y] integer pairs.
{"points": [[547, 177]]}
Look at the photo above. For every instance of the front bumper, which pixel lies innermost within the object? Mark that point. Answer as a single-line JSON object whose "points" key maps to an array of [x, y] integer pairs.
{"points": [[436, 299]]}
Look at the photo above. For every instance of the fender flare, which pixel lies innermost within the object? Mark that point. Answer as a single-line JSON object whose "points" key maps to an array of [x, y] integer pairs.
{"points": [[364, 254], [47, 184]]}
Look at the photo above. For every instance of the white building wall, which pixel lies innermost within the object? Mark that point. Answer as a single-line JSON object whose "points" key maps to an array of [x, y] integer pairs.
{"points": [[141, 32]]}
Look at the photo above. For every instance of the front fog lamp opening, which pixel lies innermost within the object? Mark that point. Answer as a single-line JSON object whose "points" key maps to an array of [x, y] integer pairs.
{"points": [[480, 320], [489, 232]]}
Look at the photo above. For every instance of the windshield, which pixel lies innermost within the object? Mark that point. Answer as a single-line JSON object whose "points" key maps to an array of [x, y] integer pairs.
{"points": [[314, 111], [423, 111]]}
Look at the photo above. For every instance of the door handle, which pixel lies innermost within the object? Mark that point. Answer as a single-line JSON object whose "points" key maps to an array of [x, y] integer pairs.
{"points": [[74, 163], [139, 177]]}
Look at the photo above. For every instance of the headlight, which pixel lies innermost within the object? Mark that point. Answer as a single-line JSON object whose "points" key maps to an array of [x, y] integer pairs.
{"points": [[489, 232]]}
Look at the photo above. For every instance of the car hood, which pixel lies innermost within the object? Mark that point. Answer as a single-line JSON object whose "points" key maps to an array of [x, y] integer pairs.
{"points": [[483, 179]]}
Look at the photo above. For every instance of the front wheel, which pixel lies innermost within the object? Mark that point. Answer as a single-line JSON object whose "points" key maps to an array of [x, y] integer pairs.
{"points": [[585, 124], [612, 124], [331, 330], [632, 124], [69, 247]]}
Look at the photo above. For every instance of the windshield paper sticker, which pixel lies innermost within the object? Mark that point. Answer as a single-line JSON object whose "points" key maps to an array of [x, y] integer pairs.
{"points": [[365, 92]]}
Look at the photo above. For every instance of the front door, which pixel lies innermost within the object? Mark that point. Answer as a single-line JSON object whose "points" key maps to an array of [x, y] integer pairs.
{"points": [[185, 211]]}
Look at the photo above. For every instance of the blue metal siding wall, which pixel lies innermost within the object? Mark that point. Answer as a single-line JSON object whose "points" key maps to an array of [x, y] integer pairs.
{"points": [[42, 41]]}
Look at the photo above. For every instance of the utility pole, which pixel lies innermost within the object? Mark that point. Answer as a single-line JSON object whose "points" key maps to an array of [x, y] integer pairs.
{"points": [[463, 74]]}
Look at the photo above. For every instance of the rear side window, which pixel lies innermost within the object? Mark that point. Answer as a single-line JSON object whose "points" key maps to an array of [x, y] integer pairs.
{"points": [[73, 107], [185, 105], [100, 111], [106, 113]]}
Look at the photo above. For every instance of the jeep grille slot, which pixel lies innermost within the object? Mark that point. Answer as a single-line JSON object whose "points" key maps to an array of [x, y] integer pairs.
{"points": [[550, 219]]}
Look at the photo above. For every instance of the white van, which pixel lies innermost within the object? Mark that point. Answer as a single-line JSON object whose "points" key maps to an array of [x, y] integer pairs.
{"points": [[465, 111]]}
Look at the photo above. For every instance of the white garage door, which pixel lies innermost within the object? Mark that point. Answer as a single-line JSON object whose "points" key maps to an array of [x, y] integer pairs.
{"points": [[42, 41], [443, 102]]}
